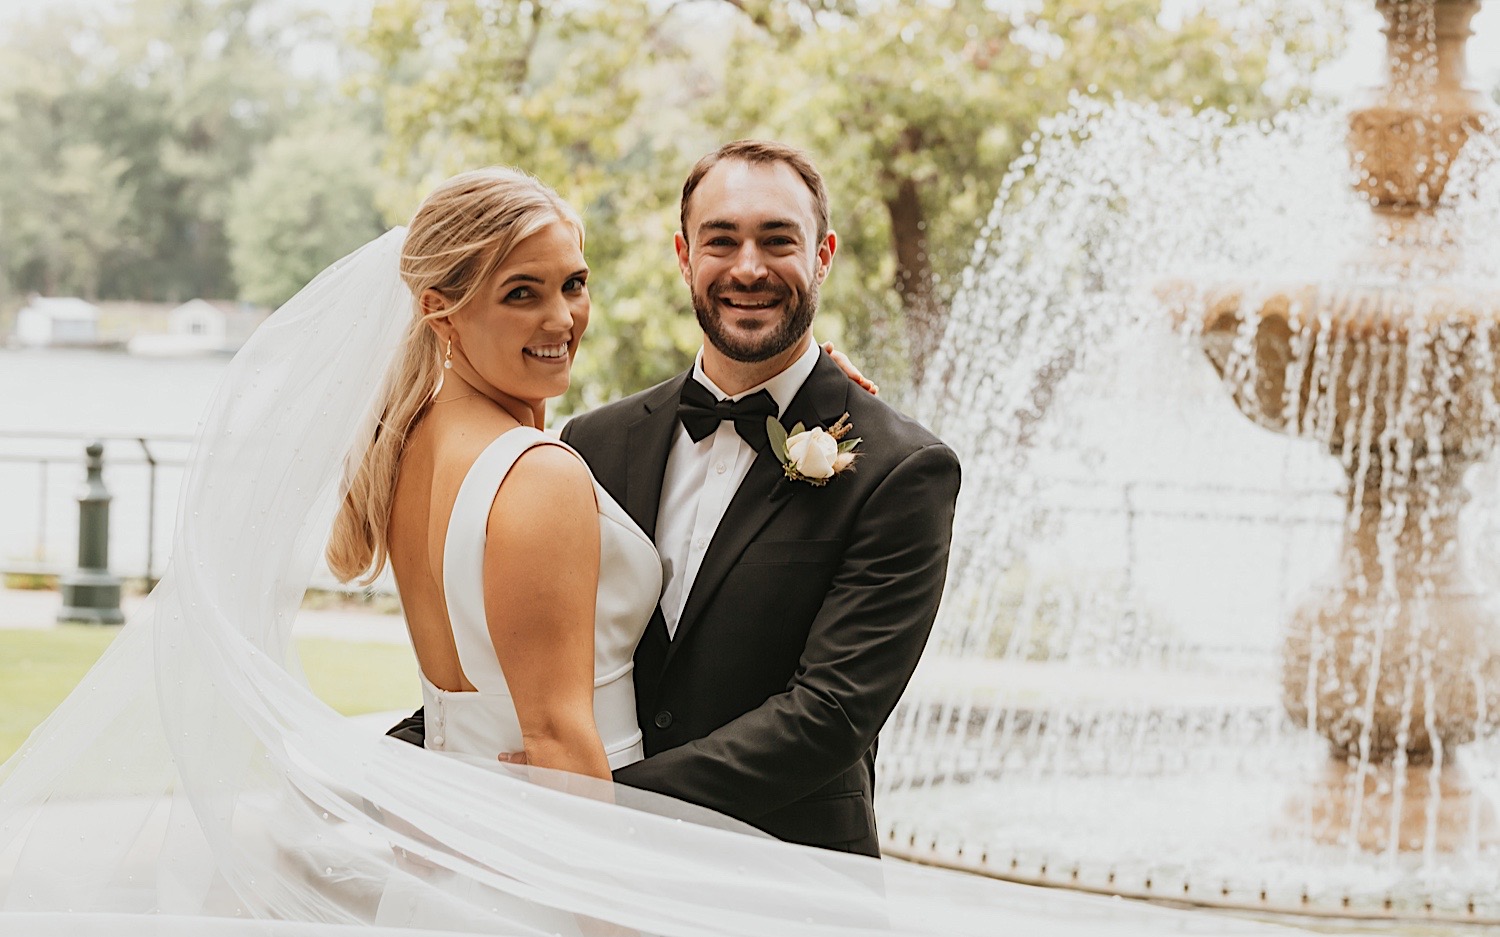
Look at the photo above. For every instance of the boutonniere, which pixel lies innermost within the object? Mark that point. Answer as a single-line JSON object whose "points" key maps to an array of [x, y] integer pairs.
{"points": [[813, 455]]}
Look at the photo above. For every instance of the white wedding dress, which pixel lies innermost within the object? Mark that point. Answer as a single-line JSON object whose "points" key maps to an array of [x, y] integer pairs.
{"points": [[484, 723], [193, 784]]}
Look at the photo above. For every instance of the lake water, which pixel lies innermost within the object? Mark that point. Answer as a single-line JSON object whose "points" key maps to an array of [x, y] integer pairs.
{"points": [[52, 401], [98, 392]]}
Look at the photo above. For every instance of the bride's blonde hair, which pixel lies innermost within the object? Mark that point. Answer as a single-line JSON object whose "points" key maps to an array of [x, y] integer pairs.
{"points": [[460, 234]]}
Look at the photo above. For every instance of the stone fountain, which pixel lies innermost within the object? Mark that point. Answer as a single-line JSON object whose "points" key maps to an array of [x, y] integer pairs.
{"points": [[1396, 370], [1140, 682]]}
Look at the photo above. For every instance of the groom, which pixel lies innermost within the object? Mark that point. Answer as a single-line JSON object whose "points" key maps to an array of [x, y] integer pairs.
{"points": [[792, 613]]}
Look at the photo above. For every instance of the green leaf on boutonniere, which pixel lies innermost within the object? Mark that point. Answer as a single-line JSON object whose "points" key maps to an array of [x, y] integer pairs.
{"points": [[776, 433], [799, 428], [849, 444]]}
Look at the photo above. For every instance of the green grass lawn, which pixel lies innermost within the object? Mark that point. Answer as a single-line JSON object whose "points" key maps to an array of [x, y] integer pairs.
{"points": [[39, 668]]}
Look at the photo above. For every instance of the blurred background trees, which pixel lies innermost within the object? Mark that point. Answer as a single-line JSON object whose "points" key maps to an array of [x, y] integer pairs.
{"points": [[232, 148], [125, 136]]}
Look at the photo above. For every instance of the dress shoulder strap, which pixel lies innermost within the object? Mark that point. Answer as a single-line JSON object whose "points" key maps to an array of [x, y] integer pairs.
{"points": [[463, 554]]}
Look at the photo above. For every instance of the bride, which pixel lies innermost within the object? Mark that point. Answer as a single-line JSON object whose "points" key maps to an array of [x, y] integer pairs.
{"points": [[193, 784], [525, 587]]}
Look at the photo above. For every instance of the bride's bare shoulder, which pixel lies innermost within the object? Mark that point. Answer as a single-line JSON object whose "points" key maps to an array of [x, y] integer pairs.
{"points": [[449, 444], [552, 476]]}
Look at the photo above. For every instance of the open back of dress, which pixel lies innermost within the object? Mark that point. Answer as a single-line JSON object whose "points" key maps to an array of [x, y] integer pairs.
{"points": [[484, 722]]}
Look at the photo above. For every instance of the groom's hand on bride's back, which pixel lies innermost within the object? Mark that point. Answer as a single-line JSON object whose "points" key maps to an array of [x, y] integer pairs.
{"points": [[413, 729]]}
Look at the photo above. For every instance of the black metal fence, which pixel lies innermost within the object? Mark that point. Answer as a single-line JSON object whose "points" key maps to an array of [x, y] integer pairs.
{"points": [[40, 474]]}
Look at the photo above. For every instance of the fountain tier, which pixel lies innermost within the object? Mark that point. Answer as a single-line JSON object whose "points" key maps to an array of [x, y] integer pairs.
{"points": [[1137, 676], [1395, 661]]}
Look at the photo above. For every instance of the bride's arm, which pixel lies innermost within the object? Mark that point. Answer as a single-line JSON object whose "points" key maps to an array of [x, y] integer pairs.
{"points": [[541, 576]]}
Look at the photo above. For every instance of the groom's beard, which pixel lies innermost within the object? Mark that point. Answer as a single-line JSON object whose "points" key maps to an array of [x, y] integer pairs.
{"points": [[768, 343]]}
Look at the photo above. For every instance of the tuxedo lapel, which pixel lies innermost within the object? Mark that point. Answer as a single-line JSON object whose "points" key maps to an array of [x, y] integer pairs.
{"points": [[650, 440], [764, 492]]}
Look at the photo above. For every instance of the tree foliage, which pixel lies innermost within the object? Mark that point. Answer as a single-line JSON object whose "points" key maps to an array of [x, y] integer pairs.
{"points": [[165, 150], [912, 110], [309, 201], [583, 96], [918, 108], [64, 194], [123, 136]]}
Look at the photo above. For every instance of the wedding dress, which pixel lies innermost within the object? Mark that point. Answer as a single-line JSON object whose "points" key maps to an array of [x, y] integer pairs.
{"points": [[193, 784], [484, 723]]}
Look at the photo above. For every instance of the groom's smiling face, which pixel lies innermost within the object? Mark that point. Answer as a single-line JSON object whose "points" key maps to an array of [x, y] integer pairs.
{"points": [[751, 256]]}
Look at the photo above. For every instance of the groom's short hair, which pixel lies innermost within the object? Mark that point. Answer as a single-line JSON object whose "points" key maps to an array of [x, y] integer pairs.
{"points": [[761, 151]]}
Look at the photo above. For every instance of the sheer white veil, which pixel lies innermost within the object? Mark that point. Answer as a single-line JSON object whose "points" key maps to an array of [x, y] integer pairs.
{"points": [[194, 784]]}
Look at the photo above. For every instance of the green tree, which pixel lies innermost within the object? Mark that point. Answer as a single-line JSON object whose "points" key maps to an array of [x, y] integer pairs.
{"points": [[123, 134], [310, 200], [63, 196], [585, 97], [916, 110], [913, 110], [209, 90]]}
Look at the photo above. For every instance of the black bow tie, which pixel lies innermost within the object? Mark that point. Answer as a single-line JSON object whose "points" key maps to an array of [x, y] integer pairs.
{"points": [[701, 413]]}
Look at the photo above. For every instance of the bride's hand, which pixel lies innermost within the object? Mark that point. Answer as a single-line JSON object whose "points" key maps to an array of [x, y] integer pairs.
{"points": [[842, 360], [512, 758]]}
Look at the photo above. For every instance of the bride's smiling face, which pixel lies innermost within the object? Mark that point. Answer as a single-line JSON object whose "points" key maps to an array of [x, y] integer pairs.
{"points": [[517, 337]]}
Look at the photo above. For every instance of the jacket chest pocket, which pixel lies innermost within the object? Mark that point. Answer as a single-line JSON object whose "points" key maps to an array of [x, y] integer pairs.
{"points": [[783, 552]]}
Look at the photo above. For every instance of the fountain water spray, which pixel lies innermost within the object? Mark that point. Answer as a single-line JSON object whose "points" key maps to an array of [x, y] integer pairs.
{"points": [[1391, 365], [1140, 669]]}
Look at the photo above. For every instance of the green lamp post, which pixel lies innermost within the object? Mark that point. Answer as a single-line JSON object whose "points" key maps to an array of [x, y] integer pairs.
{"points": [[90, 594]]}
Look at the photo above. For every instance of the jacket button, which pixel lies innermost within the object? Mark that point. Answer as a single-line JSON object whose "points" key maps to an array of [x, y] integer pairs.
{"points": [[663, 720]]}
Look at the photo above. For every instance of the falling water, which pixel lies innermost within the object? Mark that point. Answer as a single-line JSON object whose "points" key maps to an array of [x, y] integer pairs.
{"points": [[1106, 703]]}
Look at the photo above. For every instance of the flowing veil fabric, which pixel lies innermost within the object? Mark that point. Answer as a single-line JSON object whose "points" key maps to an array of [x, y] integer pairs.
{"points": [[193, 784]]}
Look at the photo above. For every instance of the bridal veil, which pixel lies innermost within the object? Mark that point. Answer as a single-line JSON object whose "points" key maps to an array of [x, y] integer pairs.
{"points": [[193, 784]]}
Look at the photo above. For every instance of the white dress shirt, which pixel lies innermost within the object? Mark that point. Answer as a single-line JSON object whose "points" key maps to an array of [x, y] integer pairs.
{"points": [[701, 479]]}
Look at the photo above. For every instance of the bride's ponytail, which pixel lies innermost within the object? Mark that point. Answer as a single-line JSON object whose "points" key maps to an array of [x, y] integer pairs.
{"points": [[357, 548], [460, 234]]}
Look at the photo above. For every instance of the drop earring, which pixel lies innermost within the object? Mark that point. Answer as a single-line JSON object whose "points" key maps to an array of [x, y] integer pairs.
{"points": [[448, 358]]}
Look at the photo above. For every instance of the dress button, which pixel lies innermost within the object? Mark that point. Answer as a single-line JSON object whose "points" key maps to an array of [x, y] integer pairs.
{"points": [[663, 720], [700, 544], [437, 741], [721, 468]]}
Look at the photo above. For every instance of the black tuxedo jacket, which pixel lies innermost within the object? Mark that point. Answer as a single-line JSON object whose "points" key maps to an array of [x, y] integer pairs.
{"points": [[806, 619]]}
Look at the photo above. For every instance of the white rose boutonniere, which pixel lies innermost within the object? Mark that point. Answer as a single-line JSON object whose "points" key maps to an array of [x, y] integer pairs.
{"points": [[813, 455]]}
